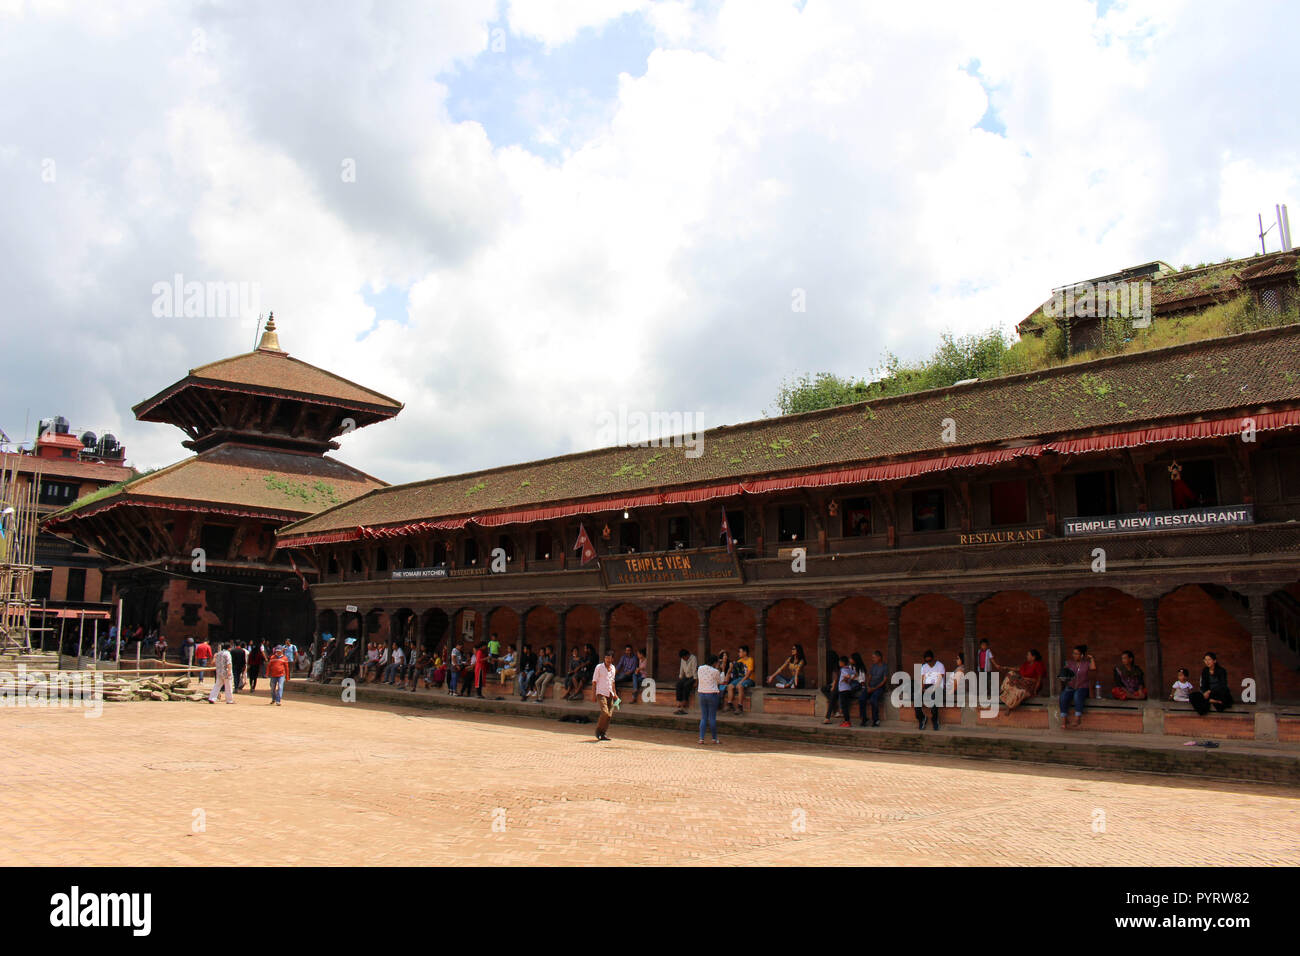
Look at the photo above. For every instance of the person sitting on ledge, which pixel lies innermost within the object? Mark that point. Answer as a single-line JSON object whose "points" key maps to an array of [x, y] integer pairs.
{"points": [[1130, 684], [545, 674], [742, 679], [1214, 687], [1074, 677], [790, 673], [1183, 686], [507, 671], [625, 672], [573, 673], [686, 671], [1024, 681]]}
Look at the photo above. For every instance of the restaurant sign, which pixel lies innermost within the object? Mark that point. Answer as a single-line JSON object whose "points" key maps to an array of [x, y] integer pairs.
{"points": [[401, 574], [1003, 537], [1161, 520], [670, 567]]}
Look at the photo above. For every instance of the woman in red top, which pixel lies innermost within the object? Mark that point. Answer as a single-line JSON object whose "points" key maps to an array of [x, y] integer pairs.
{"points": [[480, 668], [1024, 680]]}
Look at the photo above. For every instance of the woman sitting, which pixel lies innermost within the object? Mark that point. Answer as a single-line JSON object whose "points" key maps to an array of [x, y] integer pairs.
{"points": [[1024, 681], [1214, 687], [790, 673], [1130, 684]]}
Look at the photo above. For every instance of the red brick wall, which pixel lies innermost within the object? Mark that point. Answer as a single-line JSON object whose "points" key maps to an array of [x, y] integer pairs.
{"points": [[582, 626], [1109, 622], [730, 625], [862, 625], [627, 625], [505, 624], [1013, 622], [542, 628], [1191, 623], [678, 627], [931, 622], [794, 622], [177, 594]]}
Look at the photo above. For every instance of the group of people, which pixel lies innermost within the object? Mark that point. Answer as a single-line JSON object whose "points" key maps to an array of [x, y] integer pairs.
{"points": [[735, 677], [1129, 683], [231, 665]]}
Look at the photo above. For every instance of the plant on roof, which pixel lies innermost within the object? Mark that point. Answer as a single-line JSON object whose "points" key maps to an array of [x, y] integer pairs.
{"points": [[316, 493], [108, 490], [475, 488]]}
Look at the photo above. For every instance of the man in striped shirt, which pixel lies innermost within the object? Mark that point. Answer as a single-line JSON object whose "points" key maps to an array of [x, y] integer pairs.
{"points": [[602, 681]]}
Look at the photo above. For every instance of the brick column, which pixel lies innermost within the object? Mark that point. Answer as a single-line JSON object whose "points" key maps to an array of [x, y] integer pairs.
{"points": [[702, 645], [1153, 713], [894, 649], [561, 644], [605, 613], [652, 641], [1259, 649], [519, 640], [823, 643], [970, 616], [1055, 655]]}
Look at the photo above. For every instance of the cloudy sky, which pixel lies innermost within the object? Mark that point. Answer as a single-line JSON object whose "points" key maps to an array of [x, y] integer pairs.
{"points": [[514, 215]]}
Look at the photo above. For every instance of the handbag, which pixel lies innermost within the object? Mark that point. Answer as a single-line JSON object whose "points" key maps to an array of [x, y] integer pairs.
{"points": [[1066, 675]]}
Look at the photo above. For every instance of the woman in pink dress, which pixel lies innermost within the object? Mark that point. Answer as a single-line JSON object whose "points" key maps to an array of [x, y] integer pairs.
{"points": [[480, 668]]}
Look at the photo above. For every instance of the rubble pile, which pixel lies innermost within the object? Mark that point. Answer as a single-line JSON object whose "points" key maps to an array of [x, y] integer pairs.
{"points": [[151, 688]]}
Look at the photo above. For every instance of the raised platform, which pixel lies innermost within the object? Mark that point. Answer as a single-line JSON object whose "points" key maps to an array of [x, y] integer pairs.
{"points": [[1252, 761]]}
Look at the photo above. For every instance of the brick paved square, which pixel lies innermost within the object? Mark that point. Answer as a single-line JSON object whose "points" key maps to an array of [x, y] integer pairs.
{"points": [[317, 782]]}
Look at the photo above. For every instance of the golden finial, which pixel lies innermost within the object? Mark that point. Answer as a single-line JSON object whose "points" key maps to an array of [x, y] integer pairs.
{"points": [[270, 340]]}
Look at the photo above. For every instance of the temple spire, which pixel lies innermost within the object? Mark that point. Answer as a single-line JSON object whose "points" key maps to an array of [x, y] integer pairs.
{"points": [[270, 340]]}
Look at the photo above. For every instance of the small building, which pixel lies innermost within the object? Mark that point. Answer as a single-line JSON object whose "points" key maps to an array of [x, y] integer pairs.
{"points": [[71, 589]]}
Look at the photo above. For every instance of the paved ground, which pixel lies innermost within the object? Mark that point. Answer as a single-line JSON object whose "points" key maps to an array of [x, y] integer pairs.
{"points": [[317, 782]]}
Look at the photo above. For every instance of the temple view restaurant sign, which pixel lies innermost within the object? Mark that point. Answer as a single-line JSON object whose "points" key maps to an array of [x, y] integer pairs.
{"points": [[669, 567], [1149, 521]]}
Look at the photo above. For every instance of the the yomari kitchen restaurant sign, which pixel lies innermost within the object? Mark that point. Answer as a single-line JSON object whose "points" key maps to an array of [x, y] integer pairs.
{"points": [[669, 567], [1161, 520]]}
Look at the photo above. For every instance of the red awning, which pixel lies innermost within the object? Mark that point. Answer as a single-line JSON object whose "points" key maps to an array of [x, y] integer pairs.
{"points": [[844, 476], [74, 613], [1215, 428]]}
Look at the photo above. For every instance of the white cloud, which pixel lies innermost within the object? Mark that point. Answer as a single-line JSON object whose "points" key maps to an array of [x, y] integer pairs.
{"points": [[765, 148]]}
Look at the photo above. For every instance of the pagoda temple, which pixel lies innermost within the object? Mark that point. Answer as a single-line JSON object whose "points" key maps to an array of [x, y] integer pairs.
{"points": [[191, 547]]}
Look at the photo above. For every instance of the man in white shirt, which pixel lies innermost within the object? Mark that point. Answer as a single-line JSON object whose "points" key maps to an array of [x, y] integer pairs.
{"points": [[685, 679], [224, 677], [602, 681], [395, 664], [932, 684]]}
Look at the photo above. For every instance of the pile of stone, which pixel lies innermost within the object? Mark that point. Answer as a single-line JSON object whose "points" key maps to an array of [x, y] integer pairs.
{"points": [[151, 688]]}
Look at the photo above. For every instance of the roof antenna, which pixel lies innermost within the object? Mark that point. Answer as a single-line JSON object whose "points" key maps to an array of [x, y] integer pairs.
{"points": [[257, 329]]}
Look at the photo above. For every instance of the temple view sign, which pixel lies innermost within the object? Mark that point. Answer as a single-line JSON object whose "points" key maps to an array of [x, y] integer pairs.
{"points": [[1161, 520], [669, 567]]}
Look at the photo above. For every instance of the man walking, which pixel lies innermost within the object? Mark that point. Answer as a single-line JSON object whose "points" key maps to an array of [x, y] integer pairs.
{"points": [[277, 668], [239, 660], [602, 680], [203, 656], [224, 678]]}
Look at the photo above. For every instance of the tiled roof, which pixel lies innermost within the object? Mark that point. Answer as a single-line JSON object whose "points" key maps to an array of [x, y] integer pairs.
{"points": [[241, 478], [1122, 391], [278, 373], [66, 467]]}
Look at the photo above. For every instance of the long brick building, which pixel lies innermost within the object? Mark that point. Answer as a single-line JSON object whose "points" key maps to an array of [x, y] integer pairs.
{"points": [[929, 520]]}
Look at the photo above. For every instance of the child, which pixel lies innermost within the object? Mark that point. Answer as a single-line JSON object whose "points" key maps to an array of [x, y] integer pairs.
{"points": [[1182, 686]]}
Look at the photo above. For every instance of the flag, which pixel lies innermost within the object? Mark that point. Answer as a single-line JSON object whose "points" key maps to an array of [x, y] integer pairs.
{"points": [[726, 531], [584, 544], [297, 572]]}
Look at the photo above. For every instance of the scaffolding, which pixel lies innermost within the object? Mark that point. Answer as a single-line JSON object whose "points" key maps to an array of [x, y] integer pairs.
{"points": [[19, 526]]}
